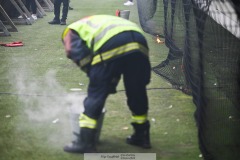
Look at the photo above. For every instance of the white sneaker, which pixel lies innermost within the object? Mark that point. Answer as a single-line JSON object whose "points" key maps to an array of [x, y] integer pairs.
{"points": [[22, 16], [34, 16], [128, 3]]}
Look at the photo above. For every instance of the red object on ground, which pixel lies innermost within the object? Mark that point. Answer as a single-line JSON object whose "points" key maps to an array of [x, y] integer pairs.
{"points": [[118, 12], [12, 44]]}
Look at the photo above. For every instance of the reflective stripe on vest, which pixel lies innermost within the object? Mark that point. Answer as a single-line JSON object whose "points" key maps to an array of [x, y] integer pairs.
{"points": [[100, 28], [108, 29], [118, 51]]}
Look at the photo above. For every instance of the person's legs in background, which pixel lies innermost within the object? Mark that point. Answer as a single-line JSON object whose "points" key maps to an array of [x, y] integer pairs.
{"points": [[34, 9], [31, 7], [70, 8], [28, 5], [64, 12], [129, 3], [57, 6]]}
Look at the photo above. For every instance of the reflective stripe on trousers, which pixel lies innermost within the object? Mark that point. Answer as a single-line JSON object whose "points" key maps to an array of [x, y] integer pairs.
{"points": [[118, 51]]}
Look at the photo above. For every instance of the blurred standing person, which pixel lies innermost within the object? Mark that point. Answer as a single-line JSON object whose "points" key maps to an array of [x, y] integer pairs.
{"points": [[70, 8], [129, 3], [57, 7], [106, 48], [32, 7]]}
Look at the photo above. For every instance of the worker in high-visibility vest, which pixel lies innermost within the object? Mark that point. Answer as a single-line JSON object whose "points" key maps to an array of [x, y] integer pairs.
{"points": [[106, 47]]}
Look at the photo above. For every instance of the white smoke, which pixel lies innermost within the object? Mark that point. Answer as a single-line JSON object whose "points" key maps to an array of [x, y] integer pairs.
{"points": [[45, 99], [45, 102]]}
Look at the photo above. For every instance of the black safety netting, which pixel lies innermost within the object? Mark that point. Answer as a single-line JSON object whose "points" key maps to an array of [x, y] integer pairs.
{"points": [[203, 37], [160, 19]]}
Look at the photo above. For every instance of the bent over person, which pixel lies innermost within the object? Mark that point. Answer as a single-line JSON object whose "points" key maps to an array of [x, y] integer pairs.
{"points": [[106, 48]]}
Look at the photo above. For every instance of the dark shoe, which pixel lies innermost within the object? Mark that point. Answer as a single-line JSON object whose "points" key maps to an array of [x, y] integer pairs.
{"points": [[85, 142], [70, 8], [141, 135], [54, 22], [63, 23]]}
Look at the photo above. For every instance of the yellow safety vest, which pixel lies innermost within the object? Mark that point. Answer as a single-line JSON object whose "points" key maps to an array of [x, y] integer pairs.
{"points": [[98, 29]]}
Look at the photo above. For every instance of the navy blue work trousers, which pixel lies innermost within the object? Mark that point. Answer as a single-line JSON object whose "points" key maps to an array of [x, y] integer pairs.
{"points": [[133, 67]]}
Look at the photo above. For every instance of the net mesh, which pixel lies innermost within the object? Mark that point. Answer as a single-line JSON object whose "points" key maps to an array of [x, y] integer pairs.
{"points": [[203, 37]]}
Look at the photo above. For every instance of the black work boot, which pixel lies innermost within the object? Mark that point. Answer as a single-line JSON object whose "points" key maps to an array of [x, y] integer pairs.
{"points": [[63, 22], [141, 135], [85, 142], [54, 21]]}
